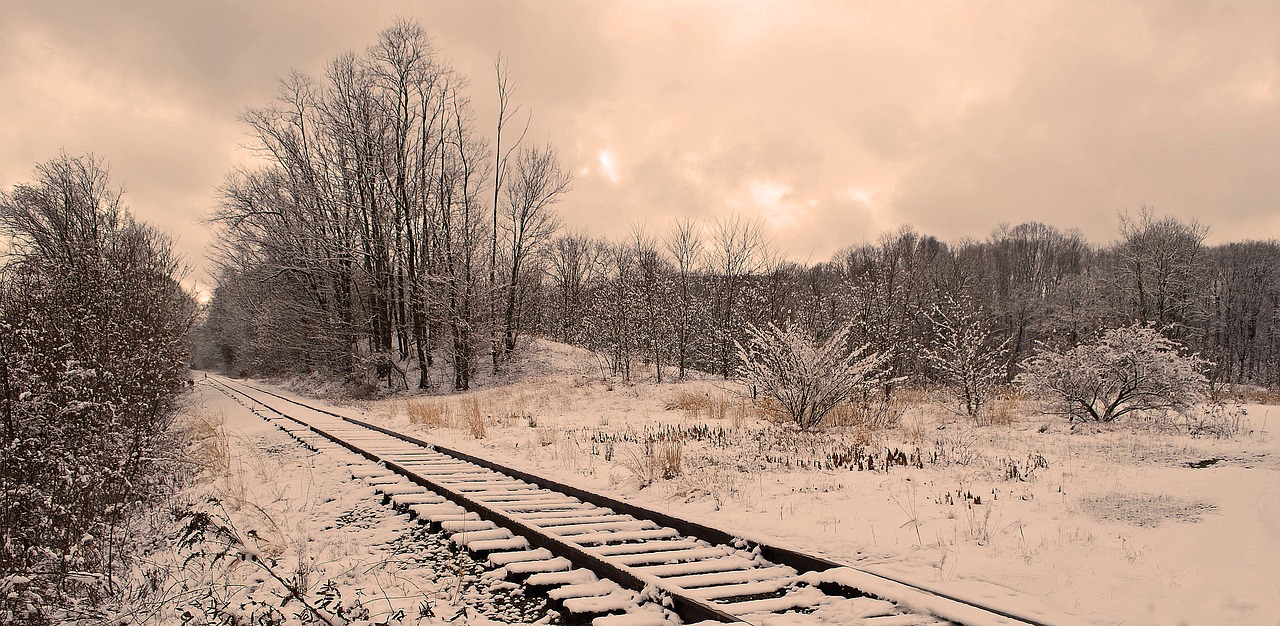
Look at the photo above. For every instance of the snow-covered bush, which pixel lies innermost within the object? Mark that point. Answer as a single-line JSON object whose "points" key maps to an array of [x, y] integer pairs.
{"points": [[1126, 370], [964, 354], [92, 359], [805, 377]]}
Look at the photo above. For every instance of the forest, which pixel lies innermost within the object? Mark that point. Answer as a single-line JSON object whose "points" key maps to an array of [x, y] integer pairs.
{"points": [[393, 239]]}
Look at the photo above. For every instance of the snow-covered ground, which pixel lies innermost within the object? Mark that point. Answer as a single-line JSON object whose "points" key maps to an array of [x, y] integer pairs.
{"points": [[1117, 526], [318, 529]]}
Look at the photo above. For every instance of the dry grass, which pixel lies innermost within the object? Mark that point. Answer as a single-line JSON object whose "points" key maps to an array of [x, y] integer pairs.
{"points": [[719, 406], [741, 412], [694, 404], [1003, 410], [429, 413], [670, 459], [473, 417], [662, 460], [547, 436], [874, 412], [467, 413], [1248, 394], [210, 447]]}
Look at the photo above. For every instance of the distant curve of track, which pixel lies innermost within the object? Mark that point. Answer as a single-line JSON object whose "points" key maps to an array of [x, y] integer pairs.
{"points": [[603, 559]]}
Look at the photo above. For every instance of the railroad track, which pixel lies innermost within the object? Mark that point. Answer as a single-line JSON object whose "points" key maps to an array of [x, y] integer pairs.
{"points": [[606, 561]]}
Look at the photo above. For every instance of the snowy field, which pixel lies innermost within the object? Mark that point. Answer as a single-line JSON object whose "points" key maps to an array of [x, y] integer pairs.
{"points": [[1125, 525]]}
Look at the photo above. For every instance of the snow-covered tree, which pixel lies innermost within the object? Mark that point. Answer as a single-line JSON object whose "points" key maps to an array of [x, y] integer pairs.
{"points": [[806, 377], [1126, 370], [964, 353]]}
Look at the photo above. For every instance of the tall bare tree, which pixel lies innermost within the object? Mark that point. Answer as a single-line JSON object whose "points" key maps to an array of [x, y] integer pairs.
{"points": [[684, 244], [536, 185], [1160, 269], [737, 251], [502, 159]]}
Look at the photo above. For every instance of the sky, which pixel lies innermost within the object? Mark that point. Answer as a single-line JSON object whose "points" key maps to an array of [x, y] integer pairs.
{"points": [[830, 122]]}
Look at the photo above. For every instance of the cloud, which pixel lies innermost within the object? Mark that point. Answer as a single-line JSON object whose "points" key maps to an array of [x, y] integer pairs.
{"points": [[950, 116]]}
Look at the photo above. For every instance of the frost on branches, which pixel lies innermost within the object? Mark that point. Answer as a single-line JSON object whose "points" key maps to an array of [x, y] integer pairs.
{"points": [[964, 354], [92, 362], [808, 379], [1126, 370]]}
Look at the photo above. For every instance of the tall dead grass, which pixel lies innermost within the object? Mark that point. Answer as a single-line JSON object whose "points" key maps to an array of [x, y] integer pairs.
{"points": [[695, 404], [469, 413], [429, 413], [718, 406], [654, 461], [874, 411], [210, 446], [1003, 410], [1247, 394], [473, 417]]}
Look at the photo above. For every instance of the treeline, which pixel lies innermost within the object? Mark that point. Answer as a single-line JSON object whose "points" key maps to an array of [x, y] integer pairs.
{"points": [[387, 240], [92, 360], [684, 298]]}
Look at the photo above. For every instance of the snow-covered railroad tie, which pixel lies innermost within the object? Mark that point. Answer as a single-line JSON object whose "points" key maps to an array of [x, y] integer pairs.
{"points": [[605, 561]]}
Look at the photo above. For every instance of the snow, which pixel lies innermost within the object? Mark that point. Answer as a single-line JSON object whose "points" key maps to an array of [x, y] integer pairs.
{"points": [[618, 600], [468, 538], [694, 581], [1116, 530], [572, 530], [632, 619], [697, 567], [627, 535], [583, 590], [557, 564], [410, 499], [671, 556], [496, 544], [801, 598], [310, 520], [744, 589], [633, 548], [507, 558], [554, 579], [470, 525]]}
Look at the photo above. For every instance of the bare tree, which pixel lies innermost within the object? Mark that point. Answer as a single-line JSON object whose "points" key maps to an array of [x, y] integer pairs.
{"points": [[655, 301], [1160, 266], [684, 244], [501, 160], [573, 266], [537, 184], [737, 251], [367, 222]]}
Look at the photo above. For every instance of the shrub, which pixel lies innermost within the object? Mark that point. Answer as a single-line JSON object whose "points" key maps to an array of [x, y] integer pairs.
{"points": [[806, 378], [1126, 370], [92, 332], [965, 355]]}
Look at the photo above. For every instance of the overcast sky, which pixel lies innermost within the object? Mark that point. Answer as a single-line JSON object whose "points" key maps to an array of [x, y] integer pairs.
{"points": [[831, 121]]}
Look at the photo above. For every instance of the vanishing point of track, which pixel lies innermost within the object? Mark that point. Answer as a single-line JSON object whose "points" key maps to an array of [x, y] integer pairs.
{"points": [[602, 559]]}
